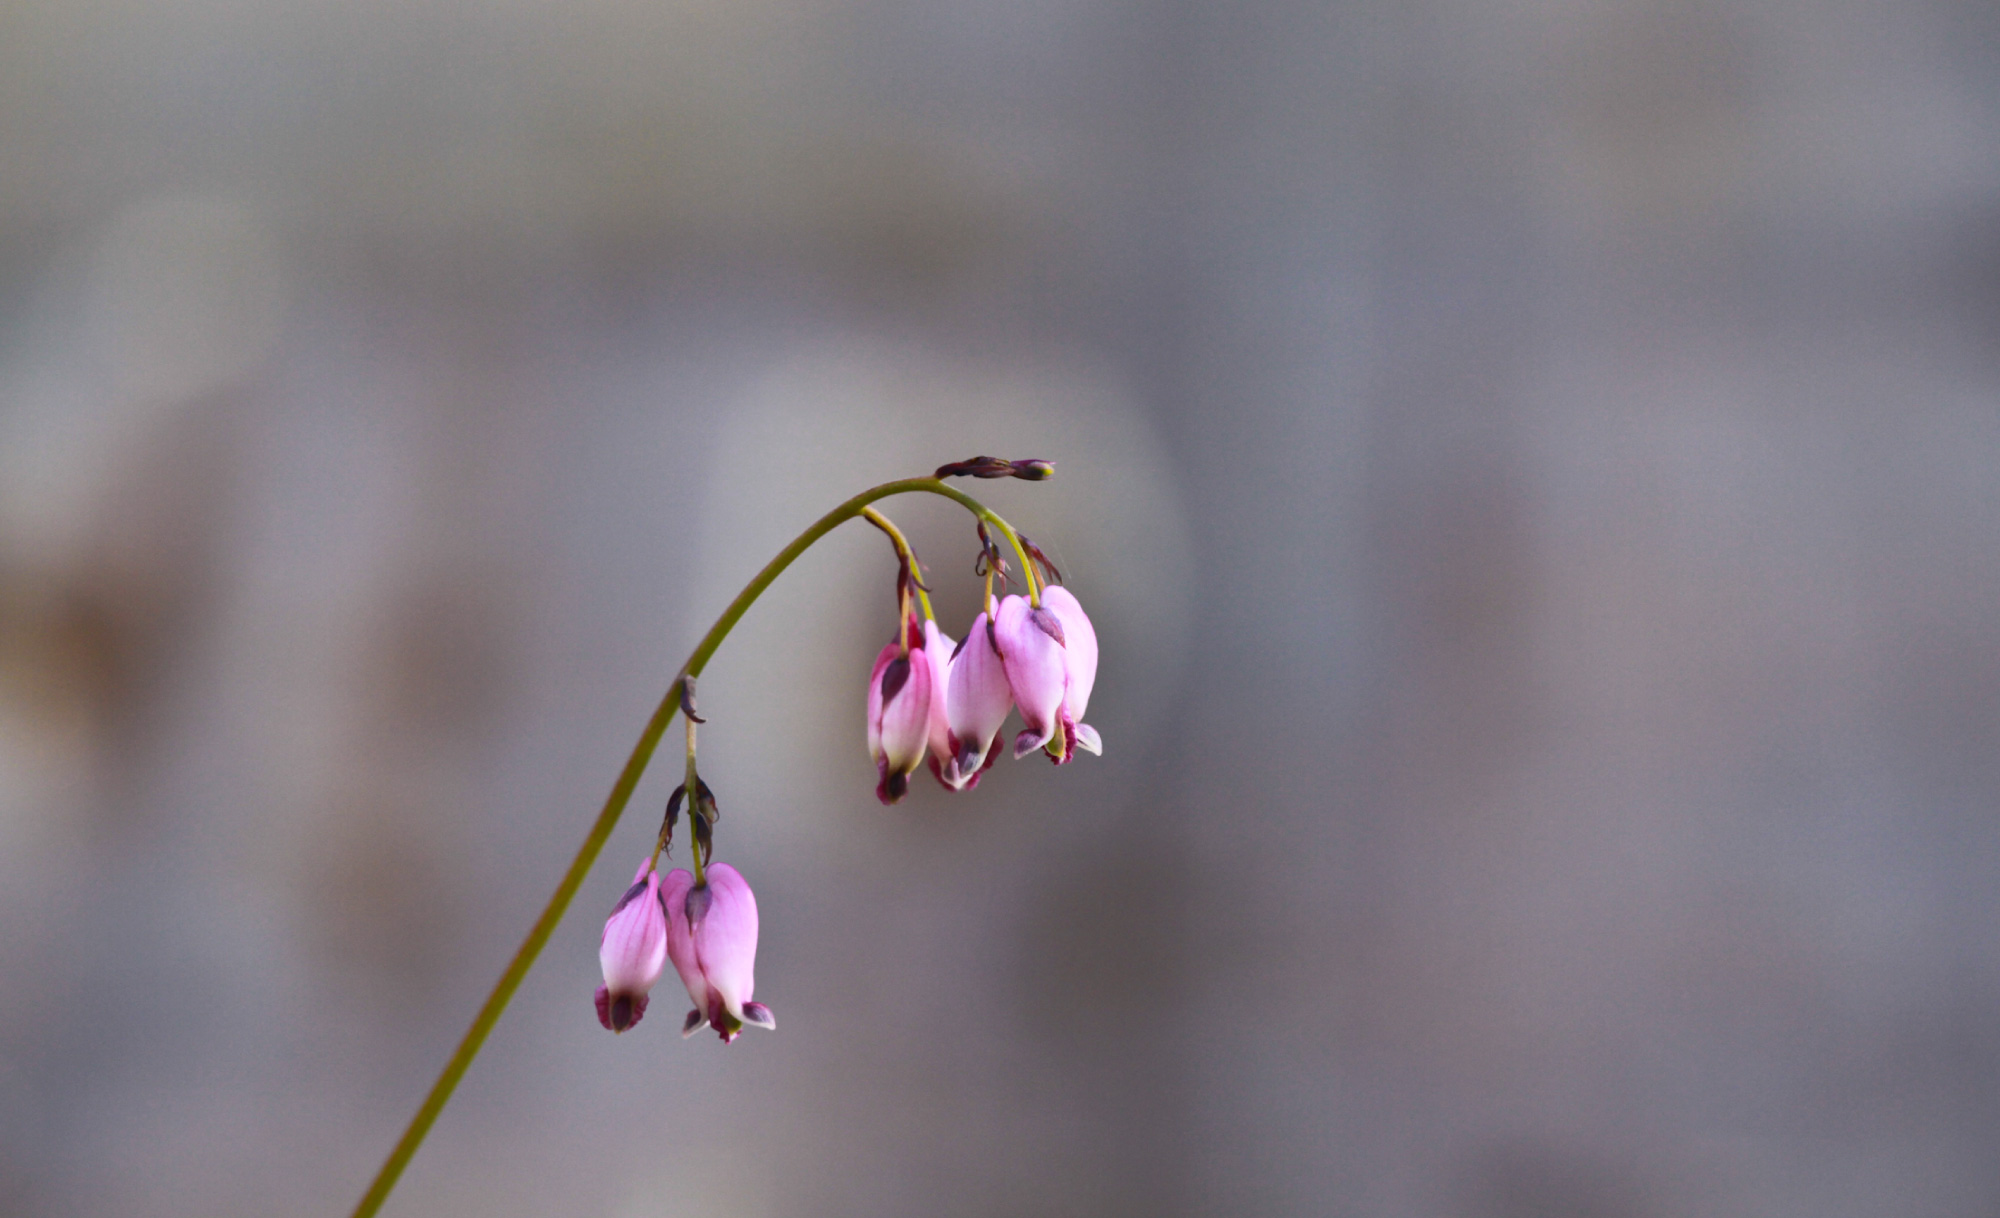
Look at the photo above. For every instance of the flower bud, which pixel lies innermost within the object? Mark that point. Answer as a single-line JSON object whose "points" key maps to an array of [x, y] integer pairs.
{"points": [[633, 951], [712, 939], [1030, 641]]}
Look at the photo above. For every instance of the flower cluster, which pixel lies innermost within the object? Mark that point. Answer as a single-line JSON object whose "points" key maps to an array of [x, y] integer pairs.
{"points": [[709, 931], [950, 699], [929, 698]]}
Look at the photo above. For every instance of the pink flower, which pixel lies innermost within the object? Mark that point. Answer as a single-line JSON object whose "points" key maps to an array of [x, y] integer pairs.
{"points": [[712, 939], [1030, 641], [899, 715], [977, 699], [1080, 671], [633, 951]]}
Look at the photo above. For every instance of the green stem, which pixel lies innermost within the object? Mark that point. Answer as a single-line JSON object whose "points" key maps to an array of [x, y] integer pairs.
{"points": [[991, 517], [693, 801], [614, 807], [904, 552]]}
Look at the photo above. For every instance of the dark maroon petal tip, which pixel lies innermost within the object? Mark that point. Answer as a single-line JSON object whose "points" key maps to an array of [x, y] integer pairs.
{"points": [[893, 678], [892, 787], [622, 1011]]}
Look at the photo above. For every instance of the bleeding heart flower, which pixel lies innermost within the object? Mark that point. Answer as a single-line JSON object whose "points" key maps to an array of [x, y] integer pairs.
{"points": [[977, 699], [633, 951], [1030, 641], [899, 716], [712, 940]]}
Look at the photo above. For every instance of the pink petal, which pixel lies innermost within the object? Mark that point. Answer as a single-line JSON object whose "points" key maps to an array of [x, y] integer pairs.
{"points": [[875, 698], [904, 689], [633, 948], [937, 650], [1032, 656], [680, 940], [977, 699], [726, 940], [1079, 648]]}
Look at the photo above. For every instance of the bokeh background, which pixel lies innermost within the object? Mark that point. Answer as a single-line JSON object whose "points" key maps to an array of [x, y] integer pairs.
{"points": [[1532, 467]]}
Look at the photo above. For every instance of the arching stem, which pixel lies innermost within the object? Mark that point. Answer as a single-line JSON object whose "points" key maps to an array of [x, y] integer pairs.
{"points": [[903, 551], [621, 794]]}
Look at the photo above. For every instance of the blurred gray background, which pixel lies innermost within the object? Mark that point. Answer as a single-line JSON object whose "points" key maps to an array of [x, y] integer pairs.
{"points": [[1532, 467]]}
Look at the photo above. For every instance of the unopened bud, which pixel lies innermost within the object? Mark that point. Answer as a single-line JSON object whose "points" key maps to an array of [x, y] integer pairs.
{"points": [[978, 467]]}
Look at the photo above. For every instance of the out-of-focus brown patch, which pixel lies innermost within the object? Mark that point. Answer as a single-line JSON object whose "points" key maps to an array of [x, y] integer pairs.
{"points": [[87, 634], [440, 655], [386, 903]]}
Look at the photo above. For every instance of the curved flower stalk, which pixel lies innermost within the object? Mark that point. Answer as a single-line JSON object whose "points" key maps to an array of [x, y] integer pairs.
{"points": [[925, 695]]}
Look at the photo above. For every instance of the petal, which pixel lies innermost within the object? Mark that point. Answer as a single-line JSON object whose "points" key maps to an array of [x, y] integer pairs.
{"points": [[1088, 740], [937, 650], [905, 688], [875, 698], [977, 698], [1079, 648], [726, 940], [1036, 673], [633, 949], [680, 939]]}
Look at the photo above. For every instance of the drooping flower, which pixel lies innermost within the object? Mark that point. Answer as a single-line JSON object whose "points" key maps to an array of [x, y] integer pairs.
{"points": [[977, 699], [712, 940], [899, 715], [1080, 672], [633, 951], [1030, 641]]}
